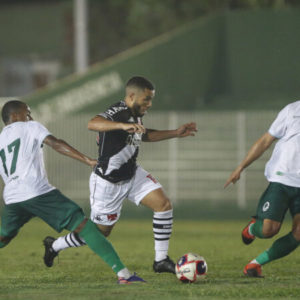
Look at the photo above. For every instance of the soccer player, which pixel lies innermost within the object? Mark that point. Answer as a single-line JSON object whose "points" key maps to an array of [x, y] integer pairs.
{"points": [[283, 192], [27, 192], [117, 175]]}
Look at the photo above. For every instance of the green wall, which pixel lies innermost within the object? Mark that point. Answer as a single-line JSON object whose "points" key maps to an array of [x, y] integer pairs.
{"points": [[40, 30], [236, 60], [262, 56]]}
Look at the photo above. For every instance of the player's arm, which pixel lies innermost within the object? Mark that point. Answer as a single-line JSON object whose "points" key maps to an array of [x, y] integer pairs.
{"points": [[256, 150], [64, 148], [184, 130], [99, 123]]}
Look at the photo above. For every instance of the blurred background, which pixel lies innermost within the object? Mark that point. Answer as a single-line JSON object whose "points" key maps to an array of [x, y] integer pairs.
{"points": [[228, 65]]}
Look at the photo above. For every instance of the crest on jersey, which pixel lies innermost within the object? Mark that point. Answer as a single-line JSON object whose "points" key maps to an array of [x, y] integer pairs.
{"points": [[134, 139], [266, 206]]}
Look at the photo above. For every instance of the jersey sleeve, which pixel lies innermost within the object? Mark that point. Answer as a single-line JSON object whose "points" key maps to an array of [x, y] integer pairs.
{"points": [[279, 125], [106, 116], [120, 116], [39, 131]]}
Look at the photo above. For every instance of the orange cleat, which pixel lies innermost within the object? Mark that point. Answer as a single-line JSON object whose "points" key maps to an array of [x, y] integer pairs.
{"points": [[246, 236], [253, 270]]}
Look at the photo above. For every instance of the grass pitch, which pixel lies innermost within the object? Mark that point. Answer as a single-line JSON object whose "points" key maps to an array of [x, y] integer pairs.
{"points": [[80, 274]]}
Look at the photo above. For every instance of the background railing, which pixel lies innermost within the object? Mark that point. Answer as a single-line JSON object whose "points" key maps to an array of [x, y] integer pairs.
{"points": [[191, 170]]}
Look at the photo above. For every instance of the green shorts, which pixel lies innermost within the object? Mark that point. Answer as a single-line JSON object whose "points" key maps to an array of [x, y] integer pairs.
{"points": [[276, 200], [54, 208]]}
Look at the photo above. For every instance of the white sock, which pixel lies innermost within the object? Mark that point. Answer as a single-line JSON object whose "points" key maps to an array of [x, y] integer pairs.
{"points": [[124, 273], [72, 239], [254, 261], [249, 229], [162, 229]]}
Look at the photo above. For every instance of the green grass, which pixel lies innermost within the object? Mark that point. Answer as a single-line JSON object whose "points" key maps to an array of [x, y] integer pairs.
{"points": [[80, 274]]}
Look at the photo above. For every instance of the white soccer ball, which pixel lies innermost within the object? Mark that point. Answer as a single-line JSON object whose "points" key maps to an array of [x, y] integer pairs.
{"points": [[191, 267]]}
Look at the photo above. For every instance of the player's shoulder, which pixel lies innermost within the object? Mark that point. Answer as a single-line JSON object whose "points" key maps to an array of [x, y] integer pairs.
{"points": [[292, 105], [20, 125], [20, 129], [117, 108], [291, 109], [33, 124], [34, 128]]}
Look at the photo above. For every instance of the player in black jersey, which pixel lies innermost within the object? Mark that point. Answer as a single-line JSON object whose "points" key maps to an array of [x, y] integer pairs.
{"points": [[117, 175]]}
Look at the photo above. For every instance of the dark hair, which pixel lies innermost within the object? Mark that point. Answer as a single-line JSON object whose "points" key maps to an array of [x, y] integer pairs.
{"points": [[140, 82], [9, 108]]}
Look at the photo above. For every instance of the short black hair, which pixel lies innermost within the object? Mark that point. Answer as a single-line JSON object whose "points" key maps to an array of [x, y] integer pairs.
{"points": [[9, 108], [140, 82]]}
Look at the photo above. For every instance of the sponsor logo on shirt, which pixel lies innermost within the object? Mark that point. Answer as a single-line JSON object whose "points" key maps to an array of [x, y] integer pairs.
{"points": [[134, 139]]}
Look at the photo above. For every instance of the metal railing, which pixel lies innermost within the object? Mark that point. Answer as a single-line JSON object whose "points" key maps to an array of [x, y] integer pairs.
{"points": [[190, 169]]}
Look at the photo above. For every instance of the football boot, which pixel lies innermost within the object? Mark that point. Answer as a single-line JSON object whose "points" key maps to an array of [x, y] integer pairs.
{"points": [[248, 238], [253, 270], [132, 279], [50, 254], [165, 265]]}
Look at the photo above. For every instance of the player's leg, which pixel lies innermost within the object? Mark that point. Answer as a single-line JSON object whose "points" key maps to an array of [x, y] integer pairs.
{"points": [[66, 214], [106, 200], [280, 248], [96, 241], [13, 217], [102, 193], [270, 214], [147, 191], [72, 239], [288, 243], [98, 188], [261, 228], [162, 229]]}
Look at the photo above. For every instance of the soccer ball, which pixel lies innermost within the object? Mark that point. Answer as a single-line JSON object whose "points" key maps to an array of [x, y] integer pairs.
{"points": [[190, 268]]}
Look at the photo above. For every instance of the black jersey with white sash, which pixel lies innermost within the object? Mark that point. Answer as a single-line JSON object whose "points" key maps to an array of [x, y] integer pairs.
{"points": [[118, 149]]}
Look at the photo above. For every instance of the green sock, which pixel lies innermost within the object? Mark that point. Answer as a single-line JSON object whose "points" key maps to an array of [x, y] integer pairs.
{"points": [[280, 248], [256, 228], [101, 246]]}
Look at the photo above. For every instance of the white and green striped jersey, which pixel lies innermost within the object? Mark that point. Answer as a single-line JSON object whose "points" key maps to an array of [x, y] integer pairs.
{"points": [[21, 161]]}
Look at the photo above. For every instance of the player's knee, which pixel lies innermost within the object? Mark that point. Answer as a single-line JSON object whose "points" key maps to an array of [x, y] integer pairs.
{"points": [[296, 232], [165, 205], [270, 230], [105, 230], [106, 233]]}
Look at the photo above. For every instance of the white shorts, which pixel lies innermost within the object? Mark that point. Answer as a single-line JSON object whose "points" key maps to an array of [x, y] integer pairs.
{"points": [[107, 198]]}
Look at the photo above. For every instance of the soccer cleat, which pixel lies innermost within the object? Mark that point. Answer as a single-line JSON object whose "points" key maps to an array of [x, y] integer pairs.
{"points": [[50, 254], [253, 270], [165, 265], [246, 236], [132, 279]]}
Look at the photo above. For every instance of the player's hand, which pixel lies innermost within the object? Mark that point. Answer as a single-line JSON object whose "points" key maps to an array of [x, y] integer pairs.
{"points": [[133, 128], [92, 162], [234, 177], [188, 129]]}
